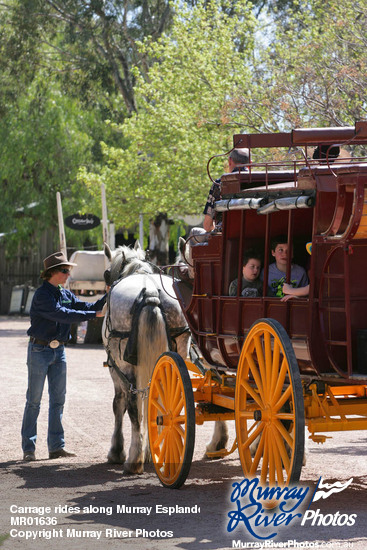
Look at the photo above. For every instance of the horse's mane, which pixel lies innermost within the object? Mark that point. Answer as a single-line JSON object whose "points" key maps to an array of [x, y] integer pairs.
{"points": [[126, 261]]}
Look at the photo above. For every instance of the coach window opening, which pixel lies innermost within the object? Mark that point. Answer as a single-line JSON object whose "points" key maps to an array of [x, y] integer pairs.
{"points": [[288, 231]]}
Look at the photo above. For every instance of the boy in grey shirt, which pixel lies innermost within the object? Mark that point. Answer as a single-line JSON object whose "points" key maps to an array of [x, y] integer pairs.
{"points": [[278, 269], [251, 285]]}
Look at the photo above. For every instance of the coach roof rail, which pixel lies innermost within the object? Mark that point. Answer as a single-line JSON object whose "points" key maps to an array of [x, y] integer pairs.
{"points": [[305, 136]]}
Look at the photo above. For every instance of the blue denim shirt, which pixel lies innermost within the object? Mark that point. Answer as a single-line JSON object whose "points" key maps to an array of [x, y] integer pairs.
{"points": [[54, 309]]}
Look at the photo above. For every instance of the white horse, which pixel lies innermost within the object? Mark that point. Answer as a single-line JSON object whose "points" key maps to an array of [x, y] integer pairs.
{"points": [[143, 320]]}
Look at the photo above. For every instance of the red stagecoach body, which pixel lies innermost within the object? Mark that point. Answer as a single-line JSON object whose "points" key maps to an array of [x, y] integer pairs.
{"points": [[328, 328], [273, 366]]}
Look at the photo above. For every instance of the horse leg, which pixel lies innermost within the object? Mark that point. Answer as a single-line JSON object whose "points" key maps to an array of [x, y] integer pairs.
{"points": [[135, 461], [116, 453], [219, 439], [183, 344]]}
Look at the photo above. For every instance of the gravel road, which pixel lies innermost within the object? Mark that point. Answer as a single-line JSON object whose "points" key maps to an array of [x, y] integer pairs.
{"points": [[85, 503]]}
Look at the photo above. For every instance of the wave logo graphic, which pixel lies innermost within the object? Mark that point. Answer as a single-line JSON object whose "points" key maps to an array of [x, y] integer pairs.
{"points": [[324, 490]]}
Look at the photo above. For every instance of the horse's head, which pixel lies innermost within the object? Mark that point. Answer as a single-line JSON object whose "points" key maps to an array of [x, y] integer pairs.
{"points": [[125, 261], [185, 268], [182, 251]]}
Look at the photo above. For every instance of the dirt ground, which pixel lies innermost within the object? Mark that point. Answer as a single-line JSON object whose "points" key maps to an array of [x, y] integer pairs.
{"points": [[88, 497]]}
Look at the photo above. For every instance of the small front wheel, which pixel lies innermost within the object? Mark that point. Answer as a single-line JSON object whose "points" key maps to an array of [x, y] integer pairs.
{"points": [[171, 420]]}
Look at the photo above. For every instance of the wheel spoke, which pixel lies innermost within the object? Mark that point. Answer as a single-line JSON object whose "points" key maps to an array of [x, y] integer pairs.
{"points": [[255, 396], [163, 378], [265, 464], [176, 447], [180, 419], [271, 459], [256, 376], [160, 390], [268, 363], [285, 416], [258, 455], [260, 359], [282, 449], [162, 454], [168, 373], [158, 406], [254, 425], [174, 385], [180, 405], [167, 458], [177, 396], [277, 459], [284, 433], [280, 381], [176, 391], [275, 366], [160, 438], [180, 428], [253, 436], [284, 398]]}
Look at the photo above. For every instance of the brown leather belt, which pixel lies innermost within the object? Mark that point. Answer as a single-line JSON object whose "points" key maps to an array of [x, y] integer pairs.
{"points": [[46, 342]]}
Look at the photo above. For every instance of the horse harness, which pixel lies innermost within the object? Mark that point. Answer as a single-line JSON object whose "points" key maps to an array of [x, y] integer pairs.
{"points": [[130, 353]]}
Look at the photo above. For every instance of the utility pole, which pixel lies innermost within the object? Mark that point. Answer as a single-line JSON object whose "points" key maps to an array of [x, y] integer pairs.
{"points": [[61, 225]]}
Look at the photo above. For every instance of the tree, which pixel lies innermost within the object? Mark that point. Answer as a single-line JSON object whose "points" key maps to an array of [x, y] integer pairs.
{"points": [[315, 68], [181, 117], [44, 137], [47, 130], [91, 43]]}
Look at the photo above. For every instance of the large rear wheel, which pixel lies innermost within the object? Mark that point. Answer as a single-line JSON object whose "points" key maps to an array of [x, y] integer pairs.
{"points": [[269, 407], [171, 420]]}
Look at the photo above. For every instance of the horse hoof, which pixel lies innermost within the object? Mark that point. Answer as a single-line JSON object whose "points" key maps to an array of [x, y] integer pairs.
{"points": [[114, 458], [133, 468], [206, 457]]}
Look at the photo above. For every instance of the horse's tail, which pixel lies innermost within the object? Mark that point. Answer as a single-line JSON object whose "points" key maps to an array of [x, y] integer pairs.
{"points": [[152, 334]]}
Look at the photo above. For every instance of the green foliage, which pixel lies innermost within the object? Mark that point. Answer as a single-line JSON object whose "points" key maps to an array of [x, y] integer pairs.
{"points": [[44, 137], [171, 100], [91, 46], [315, 68], [181, 118]]}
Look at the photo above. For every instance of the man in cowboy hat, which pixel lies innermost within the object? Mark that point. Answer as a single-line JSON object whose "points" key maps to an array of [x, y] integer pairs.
{"points": [[53, 310]]}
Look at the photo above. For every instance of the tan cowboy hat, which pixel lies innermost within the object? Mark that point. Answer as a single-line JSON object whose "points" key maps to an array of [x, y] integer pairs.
{"points": [[55, 260]]}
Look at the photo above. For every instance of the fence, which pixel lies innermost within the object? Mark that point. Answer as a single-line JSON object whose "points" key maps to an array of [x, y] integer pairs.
{"points": [[22, 269]]}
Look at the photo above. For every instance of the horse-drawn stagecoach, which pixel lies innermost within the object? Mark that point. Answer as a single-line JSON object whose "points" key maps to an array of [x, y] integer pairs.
{"points": [[271, 365]]}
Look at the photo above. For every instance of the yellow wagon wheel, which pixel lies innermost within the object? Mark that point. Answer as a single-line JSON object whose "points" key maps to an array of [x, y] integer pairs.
{"points": [[171, 420], [269, 407]]}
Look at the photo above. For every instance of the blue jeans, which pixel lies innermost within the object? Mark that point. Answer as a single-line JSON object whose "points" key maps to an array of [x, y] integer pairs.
{"points": [[43, 361]]}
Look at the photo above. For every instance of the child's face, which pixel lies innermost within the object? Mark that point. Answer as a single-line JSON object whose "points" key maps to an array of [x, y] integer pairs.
{"points": [[251, 270], [280, 254]]}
